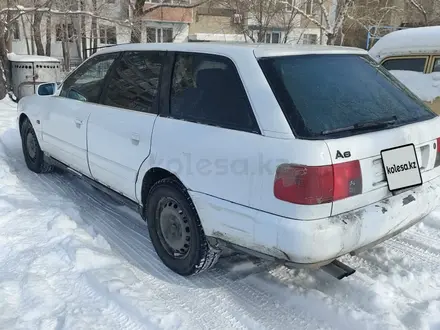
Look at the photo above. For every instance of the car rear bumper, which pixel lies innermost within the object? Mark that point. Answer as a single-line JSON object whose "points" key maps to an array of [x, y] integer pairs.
{"points": [[315, 242], [312, 242]]}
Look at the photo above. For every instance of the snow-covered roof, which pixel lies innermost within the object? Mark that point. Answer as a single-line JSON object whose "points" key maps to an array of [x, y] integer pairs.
{"points": [[31, 58], [259, 50], [425, 86], [414, 41]]}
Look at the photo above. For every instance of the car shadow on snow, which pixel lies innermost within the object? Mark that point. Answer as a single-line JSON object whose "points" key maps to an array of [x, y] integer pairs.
{"points": [[123, 228], [247, 279]]}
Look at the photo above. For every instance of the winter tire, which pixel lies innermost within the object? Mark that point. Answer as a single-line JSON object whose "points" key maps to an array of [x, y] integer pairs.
{"points": [[175, 229], [33, 155]]}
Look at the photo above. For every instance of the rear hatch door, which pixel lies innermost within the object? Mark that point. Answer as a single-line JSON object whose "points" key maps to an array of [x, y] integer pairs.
{"points": [[360, 110]]}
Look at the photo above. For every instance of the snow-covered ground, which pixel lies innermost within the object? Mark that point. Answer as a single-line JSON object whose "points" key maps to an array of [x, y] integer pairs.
{"points": [[70, 258]]}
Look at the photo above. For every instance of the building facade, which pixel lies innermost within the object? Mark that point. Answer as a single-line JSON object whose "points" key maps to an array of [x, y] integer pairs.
{"points": [[75, 37]]}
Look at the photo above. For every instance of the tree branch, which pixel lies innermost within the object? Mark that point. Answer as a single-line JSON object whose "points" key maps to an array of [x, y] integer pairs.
{"points": [[170, 5], [26, 10]]}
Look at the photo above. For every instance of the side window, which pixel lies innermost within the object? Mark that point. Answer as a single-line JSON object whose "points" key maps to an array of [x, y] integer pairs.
{"points": [[85, 84], [207, 89], [436, 67], [134, 82], [406, 64]]}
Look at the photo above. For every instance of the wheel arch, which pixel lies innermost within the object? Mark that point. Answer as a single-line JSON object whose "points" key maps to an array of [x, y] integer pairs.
{"points": [[152, 176], [21, 120]]}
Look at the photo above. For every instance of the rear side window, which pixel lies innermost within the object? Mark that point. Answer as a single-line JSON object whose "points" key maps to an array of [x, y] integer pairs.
{"points": [[207, 89], [321, 93], [134, 82], [406, 64]]}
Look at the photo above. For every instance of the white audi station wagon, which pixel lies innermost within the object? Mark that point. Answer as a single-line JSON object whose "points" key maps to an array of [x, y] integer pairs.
{"points": [[298, 154]]}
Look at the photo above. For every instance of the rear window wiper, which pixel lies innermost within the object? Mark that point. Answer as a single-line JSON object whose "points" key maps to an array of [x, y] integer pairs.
{"points": [[380, 123]]}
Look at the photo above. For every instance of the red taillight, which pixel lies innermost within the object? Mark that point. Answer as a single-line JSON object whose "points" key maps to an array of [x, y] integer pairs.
{"points": [[310, 185], [347, 180], [437, 157]]}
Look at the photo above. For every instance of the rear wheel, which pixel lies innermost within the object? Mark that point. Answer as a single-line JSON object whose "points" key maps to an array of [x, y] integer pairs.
{"points": [[175, 229], [33, 155]]}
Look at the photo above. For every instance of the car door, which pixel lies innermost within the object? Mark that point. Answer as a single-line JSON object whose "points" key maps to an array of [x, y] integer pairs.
{"points": [[210, 137], [119, 132], [64, 126]]}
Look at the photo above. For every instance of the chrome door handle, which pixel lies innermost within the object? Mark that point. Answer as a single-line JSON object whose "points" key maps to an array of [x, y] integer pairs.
{"points": [[78, 122]]}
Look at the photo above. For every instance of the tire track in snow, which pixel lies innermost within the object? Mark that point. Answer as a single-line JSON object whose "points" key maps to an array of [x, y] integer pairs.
{"points": [[414, 252], [137, 252]]}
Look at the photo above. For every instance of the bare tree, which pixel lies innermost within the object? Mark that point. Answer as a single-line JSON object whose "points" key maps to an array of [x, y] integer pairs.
{"points": [[334, 13], [263, 16], [140, 9], [422, 12], [138, 12], [26, 38], [368, 17], [419, 7], [289, 23], [49, 32], [82, 5], [36, 29]]}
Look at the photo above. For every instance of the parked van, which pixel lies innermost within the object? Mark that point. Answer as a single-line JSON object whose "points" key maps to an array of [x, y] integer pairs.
{"points": [[413, 57]]}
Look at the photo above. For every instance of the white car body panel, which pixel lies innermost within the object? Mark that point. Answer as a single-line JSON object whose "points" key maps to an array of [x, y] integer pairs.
{"points": [[230, 174], [118, 142], [312, 242], [33, 107], [64, 131], [214, 164], [374, 185]]}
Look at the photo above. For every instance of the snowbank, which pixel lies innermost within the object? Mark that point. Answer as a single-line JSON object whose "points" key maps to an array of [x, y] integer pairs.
{"points": [[425, 86], [408, 41], [31, 58]]}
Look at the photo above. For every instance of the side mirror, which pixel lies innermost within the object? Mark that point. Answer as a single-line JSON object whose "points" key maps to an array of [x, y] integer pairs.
{"points": [[46, 89]]}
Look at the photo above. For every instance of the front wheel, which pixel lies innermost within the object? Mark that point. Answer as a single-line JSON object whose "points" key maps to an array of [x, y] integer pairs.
{"points": [[175, 229], [33, 155]]}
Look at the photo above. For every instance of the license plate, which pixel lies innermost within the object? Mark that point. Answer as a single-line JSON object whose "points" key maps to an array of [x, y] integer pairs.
{"points": [[401, 167]]}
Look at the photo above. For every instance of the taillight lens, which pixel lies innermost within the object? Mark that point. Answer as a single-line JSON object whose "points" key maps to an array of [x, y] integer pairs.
{"points": [[347, 180], [311, 185], [437, 157]]}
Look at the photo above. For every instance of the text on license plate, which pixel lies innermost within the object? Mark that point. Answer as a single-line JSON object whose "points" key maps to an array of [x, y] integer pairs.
{"points": [[401, 167]]}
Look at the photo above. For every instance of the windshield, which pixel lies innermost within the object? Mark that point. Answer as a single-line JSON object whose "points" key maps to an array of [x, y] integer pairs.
{"points": [[321, 93]]}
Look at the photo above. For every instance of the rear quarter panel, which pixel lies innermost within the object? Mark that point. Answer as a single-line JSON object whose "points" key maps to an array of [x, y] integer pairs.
{"points": [[207, 159], [231, 165]]}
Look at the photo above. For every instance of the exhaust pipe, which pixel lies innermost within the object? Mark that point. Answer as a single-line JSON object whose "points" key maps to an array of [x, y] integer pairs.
{"points": [[338, 269]]}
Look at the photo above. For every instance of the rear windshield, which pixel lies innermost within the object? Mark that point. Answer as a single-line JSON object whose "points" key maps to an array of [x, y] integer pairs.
{"points": [[322, 93]]}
